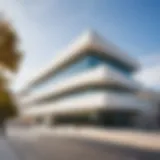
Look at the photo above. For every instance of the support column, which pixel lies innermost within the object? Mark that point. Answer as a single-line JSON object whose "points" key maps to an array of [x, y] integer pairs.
{"points": [[48, 120], [96, 118]]}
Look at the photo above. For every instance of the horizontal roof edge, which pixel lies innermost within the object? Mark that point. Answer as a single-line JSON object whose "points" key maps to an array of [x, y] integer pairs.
{"points": [[89, 40]]}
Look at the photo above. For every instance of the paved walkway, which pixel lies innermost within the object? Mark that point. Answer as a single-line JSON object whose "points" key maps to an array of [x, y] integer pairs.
{"points": [[53, 147], [6, 152], [130, 138]]}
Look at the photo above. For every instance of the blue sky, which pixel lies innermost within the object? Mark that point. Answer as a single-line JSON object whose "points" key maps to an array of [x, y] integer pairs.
{"points": [[47, 26]]}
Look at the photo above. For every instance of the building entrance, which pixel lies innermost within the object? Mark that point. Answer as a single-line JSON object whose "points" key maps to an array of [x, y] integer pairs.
{"points": [[103, 118], [117, 118]]}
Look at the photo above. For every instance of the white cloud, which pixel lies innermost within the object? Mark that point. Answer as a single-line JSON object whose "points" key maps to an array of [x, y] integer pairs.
{"points": [[149, 75]]}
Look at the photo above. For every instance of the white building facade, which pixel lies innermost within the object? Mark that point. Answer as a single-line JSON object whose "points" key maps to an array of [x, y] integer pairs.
{"points": [[90, 82]]}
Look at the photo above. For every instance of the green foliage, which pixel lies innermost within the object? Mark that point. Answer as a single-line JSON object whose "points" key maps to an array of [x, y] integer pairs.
{"points": [[10, 58], [8, 108]]}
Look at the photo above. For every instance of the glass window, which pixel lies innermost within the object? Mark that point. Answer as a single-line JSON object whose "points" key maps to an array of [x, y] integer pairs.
{"points": [[80, 66]]}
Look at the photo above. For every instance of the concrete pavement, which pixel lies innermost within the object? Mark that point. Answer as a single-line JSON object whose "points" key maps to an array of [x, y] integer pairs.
{"points": [[6, 152], [38, 146], [131, 138]]}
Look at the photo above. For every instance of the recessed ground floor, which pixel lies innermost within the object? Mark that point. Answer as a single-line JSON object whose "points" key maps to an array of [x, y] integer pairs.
{"points": [[98, 118], [102, 117]]}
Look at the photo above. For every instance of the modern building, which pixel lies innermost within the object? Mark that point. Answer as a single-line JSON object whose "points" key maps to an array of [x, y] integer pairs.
{"points": [[90, 82]]}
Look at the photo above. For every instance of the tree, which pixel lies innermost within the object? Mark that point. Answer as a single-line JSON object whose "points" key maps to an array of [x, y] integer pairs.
{"points": [[8, 108], [9, 54], [10, 58]]}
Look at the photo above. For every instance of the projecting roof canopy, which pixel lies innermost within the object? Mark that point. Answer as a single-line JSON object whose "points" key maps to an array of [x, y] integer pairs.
{"points": [[90, 41]]}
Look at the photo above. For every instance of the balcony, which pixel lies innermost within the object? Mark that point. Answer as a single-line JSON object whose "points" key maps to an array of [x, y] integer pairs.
{"points": [[101, 76], [90, 102]]}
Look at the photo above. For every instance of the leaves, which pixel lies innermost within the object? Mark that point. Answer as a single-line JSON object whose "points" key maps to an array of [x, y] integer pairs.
{"points": [[10, 56], [7, 105]]}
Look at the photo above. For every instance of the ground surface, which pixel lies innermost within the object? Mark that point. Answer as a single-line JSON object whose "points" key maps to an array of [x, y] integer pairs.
{"points": [[53, 147], [6, 152]]}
